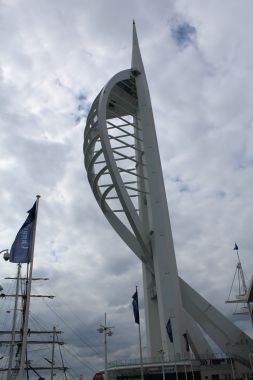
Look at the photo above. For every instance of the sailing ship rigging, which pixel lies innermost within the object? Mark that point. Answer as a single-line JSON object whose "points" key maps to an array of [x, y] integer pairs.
{"points": [[28, 347], [21, 335], [34, 336], [240, 290]]}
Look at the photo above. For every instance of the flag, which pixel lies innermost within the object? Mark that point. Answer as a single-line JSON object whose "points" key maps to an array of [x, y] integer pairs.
{"points": [[22, 247], [186, 342], [169, 330], [136, 307], [236, 247]]}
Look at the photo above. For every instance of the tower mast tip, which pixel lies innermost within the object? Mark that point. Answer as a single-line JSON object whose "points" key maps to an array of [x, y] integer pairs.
{"points": [[136, 63]]}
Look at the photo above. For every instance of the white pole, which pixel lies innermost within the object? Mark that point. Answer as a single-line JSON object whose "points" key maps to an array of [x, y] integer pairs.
{"points": [[185, 372], [52, 364], [175, 359], [141, 360], [14, 321], [163, 371], [233, 371], [174, 352], [193, 377], [28, 296], [140, 346], [105, 331]]}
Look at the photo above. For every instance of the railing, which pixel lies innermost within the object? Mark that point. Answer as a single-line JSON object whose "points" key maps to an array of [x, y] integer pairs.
{"points": [[203, 359]]}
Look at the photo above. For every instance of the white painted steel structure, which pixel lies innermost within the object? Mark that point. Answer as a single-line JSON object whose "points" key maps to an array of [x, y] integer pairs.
{"points": [[124, 171]]}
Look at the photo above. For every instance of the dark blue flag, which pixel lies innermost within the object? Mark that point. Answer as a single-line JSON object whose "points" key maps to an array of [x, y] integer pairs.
{"points": [[186, 342], [136, 307], [22, 247], [236, 247], [169, 330]]}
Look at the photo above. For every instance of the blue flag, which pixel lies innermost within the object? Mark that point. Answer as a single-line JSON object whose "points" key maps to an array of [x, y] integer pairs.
{"points": [[22, 247], [136, 307], [169, 330], [186, 342], [236, 247]]}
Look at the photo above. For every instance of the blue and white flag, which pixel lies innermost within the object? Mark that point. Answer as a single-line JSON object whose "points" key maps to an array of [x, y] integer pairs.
{"points": [[22, 247], [136, 307]]}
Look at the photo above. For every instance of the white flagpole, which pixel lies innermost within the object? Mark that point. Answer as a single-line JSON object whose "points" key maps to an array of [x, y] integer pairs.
{"points": [[14, 321], [185, 372], [175, 360], [27, 301], [139, 328], [233, 370], [174, 352], [192, 371], [142, 375], [162, 359]]}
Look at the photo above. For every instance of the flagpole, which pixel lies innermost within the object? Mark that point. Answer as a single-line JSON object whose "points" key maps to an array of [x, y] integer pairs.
{"points": [[193, 377], [175, 360], [141, 359], [27, 300], [174, 352], [14, 321], [162, 359], [106, 357]]}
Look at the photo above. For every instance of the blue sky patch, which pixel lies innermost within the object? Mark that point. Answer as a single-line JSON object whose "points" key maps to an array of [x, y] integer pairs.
{"points": [[81, 97], [83, 107], [183, 34], [221, 194], [182, 186]]}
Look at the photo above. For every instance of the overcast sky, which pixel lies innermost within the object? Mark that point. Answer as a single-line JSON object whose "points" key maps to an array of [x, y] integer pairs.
{"points": [[55, 57]]}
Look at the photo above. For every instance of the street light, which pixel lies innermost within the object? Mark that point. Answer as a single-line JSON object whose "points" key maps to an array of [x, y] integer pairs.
{"points": [[162, 361], [107, 332], [6, 254], [6, 257]]}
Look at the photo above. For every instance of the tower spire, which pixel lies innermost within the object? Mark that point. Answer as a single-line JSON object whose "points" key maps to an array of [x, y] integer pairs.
{"points": [[133, 199], [136, 63]]}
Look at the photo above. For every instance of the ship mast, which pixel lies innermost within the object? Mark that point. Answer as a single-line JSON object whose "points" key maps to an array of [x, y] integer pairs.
{"points": [[14, 322], [242, 296], [22, 364], [27, 298], [13, 371]]}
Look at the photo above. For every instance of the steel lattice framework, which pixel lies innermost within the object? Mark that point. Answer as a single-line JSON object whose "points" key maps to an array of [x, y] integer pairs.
{"points": [[124, 171]]}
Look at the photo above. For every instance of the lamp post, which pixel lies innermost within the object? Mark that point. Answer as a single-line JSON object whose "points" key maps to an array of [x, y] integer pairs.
{"points": [[6, 254], [6, 257], [107, 332]]}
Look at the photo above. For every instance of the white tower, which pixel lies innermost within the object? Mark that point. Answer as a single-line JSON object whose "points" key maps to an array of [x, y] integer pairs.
{"points": [[124, 170]]}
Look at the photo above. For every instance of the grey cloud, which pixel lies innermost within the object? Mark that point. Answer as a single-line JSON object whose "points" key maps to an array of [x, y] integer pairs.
{"points": [[55, 58]]}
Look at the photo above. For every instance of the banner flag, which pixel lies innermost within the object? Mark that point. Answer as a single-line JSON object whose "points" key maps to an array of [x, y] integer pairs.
{"points": [[186, 342], [22, 247], [169, 330], [136, 307], [236, 247]]}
